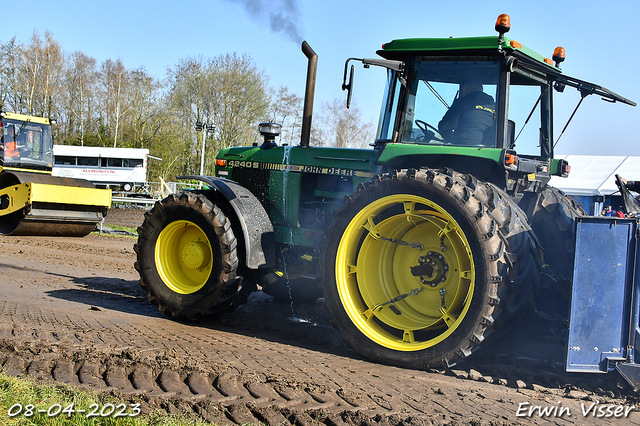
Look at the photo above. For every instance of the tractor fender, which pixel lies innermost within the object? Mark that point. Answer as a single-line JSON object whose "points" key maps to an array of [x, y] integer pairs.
{"points": [[255, 222]]}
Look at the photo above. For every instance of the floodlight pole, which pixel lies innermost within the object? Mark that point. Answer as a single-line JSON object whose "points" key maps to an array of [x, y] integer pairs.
{"points": [[206, 130]]}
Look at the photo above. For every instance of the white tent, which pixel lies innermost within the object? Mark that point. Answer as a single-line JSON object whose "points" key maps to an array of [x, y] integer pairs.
{"points": [[595, 174]]}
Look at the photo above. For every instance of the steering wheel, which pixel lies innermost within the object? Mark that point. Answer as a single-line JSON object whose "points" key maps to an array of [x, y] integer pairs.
{"points": [[429, 131]]}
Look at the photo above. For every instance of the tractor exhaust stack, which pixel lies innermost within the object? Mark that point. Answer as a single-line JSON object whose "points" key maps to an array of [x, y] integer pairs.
{"points": [[307, 112]]}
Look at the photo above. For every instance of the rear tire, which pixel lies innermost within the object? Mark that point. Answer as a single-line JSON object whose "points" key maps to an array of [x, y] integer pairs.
{"points": [[187, 258], [552, 216], [424, 306]]}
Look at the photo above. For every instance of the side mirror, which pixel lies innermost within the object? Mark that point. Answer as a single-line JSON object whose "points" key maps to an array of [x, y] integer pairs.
{"points": [[349, 87], [511, 133]]}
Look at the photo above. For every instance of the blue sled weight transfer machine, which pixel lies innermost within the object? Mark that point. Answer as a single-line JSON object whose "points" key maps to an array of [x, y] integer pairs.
{"points": [[604, 328]]}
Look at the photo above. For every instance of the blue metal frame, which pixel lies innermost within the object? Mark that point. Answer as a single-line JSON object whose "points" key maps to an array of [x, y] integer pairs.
{"points": [[603, 325], [630, 370]]}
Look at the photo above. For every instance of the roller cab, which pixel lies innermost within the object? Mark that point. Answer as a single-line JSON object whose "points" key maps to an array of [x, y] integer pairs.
{"points": [[32, 202]]}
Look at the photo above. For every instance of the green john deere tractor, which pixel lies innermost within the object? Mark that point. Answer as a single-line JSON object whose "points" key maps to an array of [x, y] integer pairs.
{"points": [[421, 245]]}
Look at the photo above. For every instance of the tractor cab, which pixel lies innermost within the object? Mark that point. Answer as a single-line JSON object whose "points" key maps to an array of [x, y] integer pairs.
{"points": [[26, 143], [445, 103], [483, 105]]}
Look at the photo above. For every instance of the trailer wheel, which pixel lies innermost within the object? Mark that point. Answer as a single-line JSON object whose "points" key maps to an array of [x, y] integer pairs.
{"points": [[420, 265], [187, 258]]}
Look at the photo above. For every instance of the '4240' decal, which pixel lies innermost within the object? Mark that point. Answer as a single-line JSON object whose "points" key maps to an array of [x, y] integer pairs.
{"points": [[298, 168]]}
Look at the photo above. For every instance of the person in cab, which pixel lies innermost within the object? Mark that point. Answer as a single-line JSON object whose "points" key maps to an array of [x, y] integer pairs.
{"points": [[9, 142], [470, 116]]}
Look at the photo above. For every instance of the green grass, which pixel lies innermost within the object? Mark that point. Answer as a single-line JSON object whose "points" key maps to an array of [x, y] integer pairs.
{"points": [[22, 398], [120, 228]]}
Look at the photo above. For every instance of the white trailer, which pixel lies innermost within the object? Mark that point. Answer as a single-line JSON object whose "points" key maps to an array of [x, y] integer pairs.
{"points": [[117, 168]]}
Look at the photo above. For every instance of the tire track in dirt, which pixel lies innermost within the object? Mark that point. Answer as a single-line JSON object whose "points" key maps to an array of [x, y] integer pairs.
{"points": [[135, 370], [329, 386]]}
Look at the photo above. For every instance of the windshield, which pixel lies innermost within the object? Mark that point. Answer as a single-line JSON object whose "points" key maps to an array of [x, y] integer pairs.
{"points": [[451, 103], [26, 144]]}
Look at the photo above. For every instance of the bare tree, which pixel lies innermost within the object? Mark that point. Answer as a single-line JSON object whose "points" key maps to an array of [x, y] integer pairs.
{"points": [[114, 79], [239, 99], [286, 109], [187, 84], [189, 104], [341, 127], [42, 74], [54, 65], [81, 78], [145, 112], [10, 68]]}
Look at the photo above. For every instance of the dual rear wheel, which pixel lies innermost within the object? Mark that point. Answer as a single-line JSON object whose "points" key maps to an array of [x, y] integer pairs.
{"points": [[419, 265]]}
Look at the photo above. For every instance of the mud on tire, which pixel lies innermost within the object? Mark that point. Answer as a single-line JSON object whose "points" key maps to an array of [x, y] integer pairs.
{"points": [[187, 258], [419, 265]]}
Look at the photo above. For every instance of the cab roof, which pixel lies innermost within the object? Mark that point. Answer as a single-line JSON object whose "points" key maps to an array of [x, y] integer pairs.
{"points": [[472, 46], [487, 47], [22, 117]]}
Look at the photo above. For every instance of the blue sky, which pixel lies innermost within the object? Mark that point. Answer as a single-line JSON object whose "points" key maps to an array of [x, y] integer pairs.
{"points": [[601, 40]]}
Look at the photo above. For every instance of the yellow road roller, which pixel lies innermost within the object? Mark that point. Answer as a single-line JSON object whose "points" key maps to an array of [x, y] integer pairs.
{"points": [[32, 202]]}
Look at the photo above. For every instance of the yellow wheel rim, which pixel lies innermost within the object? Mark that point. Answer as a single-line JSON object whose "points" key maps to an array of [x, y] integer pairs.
{"points": [[184, 258], [405, 297]]}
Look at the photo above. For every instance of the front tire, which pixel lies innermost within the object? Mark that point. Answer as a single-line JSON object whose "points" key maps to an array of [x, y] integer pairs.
{"points": [[187, 258], [419, 265]]}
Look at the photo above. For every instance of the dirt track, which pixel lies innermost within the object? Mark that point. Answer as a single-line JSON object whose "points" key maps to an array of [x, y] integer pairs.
{"points": [[72, 311]]}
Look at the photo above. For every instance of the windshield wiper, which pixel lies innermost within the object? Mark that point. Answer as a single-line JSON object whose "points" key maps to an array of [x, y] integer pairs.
{"points": [[535, 106], [24, 123], [436, 94]]}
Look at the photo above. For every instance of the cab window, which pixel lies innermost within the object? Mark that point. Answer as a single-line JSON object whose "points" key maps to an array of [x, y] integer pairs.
{"points": [[26, 142], [451, 103], [529, 99]]}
